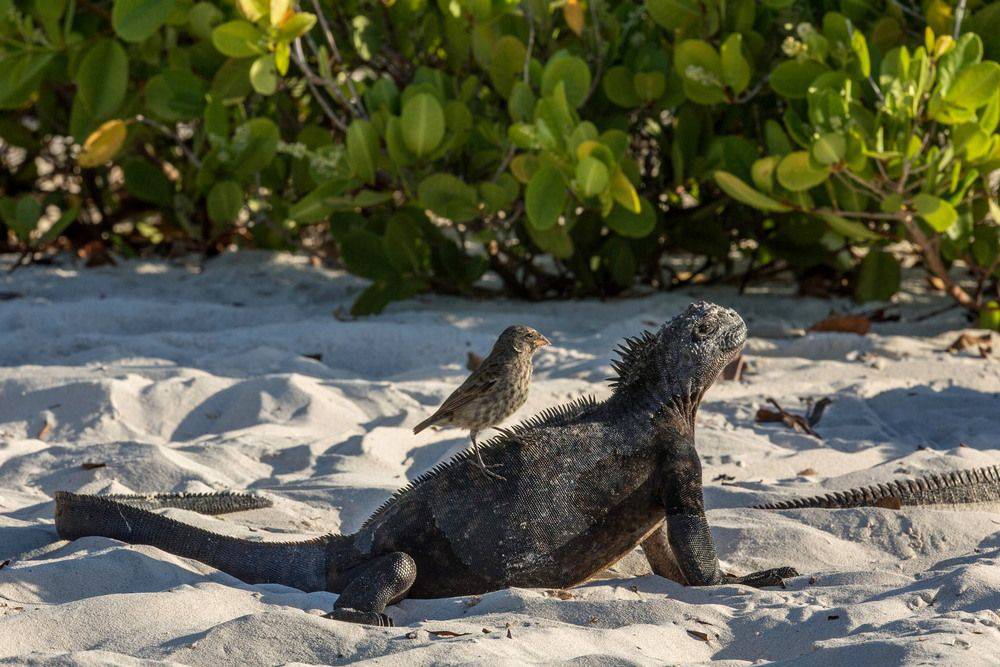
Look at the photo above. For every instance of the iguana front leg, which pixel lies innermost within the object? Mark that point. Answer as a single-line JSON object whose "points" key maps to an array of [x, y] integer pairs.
{"points": [[656, 548], [690, 538], [366, 590]]}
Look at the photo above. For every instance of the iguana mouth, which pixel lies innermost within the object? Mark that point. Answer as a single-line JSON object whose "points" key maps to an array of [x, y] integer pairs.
{"points": [[733, 339]]}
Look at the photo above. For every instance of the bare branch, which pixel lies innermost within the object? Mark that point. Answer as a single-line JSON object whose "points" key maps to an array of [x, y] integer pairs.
{"points": [[311, 79]]}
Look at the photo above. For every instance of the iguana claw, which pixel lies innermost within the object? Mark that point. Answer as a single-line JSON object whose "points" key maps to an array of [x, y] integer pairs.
{"points": [[773, 577], [348, 615]]}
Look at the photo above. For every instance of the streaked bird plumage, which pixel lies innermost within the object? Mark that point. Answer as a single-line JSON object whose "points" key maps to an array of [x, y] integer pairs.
{"points": [[495, 390]]}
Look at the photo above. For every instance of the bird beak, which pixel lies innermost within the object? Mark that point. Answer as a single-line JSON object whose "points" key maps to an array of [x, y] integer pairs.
{"points": [[543, 341]]}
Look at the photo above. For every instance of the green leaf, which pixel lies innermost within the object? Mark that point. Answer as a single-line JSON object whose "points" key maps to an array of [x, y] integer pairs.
{"points": [[792, 78], [521, 102], [851, 229], [394, 144], [829, 148], [296, 26], [224, 202], [316, 205], [591, 176], [498, 197], [231, 83], [238, 39], [556, 241], [623, 192], [633, 225], [255, 143], [989, 316], [619, 87], [20, 74], [797, 173], [22, 216], [878, 278], [422, 124], [775, 139], [449, 196], [404, 245], [545, 198], [735, 68], [975, 85], [573, 73], [619, 260], [369, 198], [762, 172], [860, 47], [135, 20], [383, 94], [699, 65], [381, 293], [202, 18], [986, 245], [507, 63], [649, 86], [674, 14], [986, 22], [101, 81], [177, 95], [146, 182], [938, 213], [362, 149], [264, 75], [742, 192], [67, 218], [363, 254]]}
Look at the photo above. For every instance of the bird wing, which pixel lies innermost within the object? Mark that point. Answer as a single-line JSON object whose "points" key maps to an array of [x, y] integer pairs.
{"points": [[466, 393]]}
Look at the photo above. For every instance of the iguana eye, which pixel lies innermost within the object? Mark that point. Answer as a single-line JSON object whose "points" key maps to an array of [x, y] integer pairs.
{"points": [[702, 330]]}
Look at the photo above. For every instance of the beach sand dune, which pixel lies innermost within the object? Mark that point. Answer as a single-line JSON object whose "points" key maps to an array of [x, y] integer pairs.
{"points": [[156, 377]]}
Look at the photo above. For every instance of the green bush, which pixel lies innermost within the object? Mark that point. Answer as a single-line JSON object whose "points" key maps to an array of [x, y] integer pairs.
{"points": [[570, 147]]}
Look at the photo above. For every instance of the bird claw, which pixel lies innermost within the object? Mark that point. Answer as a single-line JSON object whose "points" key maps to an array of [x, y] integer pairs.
{"points": [[485, 469]]}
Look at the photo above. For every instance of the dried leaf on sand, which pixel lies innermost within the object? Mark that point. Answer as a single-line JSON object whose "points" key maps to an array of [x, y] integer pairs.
{"points": [[857, 324]]}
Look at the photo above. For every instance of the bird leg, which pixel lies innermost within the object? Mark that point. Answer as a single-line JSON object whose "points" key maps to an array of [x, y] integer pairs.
{"points": [[479, 463]]}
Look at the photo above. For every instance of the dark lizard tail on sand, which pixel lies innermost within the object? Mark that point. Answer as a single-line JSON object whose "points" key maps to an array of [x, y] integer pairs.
{"points": [[301, 565], [219, 502], [976, 485]]}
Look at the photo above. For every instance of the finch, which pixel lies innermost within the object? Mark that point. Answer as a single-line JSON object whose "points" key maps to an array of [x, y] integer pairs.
{"points": [[494, 391]]}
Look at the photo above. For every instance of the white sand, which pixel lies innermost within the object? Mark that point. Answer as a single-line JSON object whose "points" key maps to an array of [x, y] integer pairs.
{"points": [[185, 381]]}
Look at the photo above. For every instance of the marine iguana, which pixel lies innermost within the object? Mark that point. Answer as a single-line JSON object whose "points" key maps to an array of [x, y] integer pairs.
{"points": [[585, 483]]}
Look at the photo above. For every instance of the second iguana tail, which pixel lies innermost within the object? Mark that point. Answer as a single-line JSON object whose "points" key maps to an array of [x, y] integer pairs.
{"points": [[976, 485], [301, 565]]}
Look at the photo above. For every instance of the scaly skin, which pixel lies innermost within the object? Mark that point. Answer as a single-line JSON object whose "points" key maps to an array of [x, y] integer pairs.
{"points": [[583, 485], [977, 485]]}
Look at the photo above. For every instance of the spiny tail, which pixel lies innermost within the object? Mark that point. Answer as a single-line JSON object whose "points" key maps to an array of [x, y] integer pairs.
{"points": [[300, 565], [977, 485], [220, 502]]}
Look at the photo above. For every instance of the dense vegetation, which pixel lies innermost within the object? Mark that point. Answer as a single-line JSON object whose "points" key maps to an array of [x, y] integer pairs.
{"points": [[571, 147]]}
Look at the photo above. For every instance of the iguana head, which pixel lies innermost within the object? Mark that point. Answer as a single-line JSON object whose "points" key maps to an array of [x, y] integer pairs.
{"points": [[685, 356]]}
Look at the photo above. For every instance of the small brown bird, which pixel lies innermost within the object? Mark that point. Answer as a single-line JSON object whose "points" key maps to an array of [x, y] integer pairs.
{"points": [[494, 391]]}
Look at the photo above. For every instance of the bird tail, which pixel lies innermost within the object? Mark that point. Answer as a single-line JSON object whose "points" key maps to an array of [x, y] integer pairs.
{"points": [[430, 421]]}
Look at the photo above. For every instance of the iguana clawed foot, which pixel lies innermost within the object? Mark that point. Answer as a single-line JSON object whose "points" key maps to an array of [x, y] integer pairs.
{"points": [[773, 577], [348, 615]]}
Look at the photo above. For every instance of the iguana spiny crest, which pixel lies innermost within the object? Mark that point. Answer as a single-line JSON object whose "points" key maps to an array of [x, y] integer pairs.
{"points": [[681, 360]]}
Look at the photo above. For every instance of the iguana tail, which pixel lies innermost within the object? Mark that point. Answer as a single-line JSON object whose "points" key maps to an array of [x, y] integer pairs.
{"points": [[219, 502], [301, 565], [977, 485]]}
